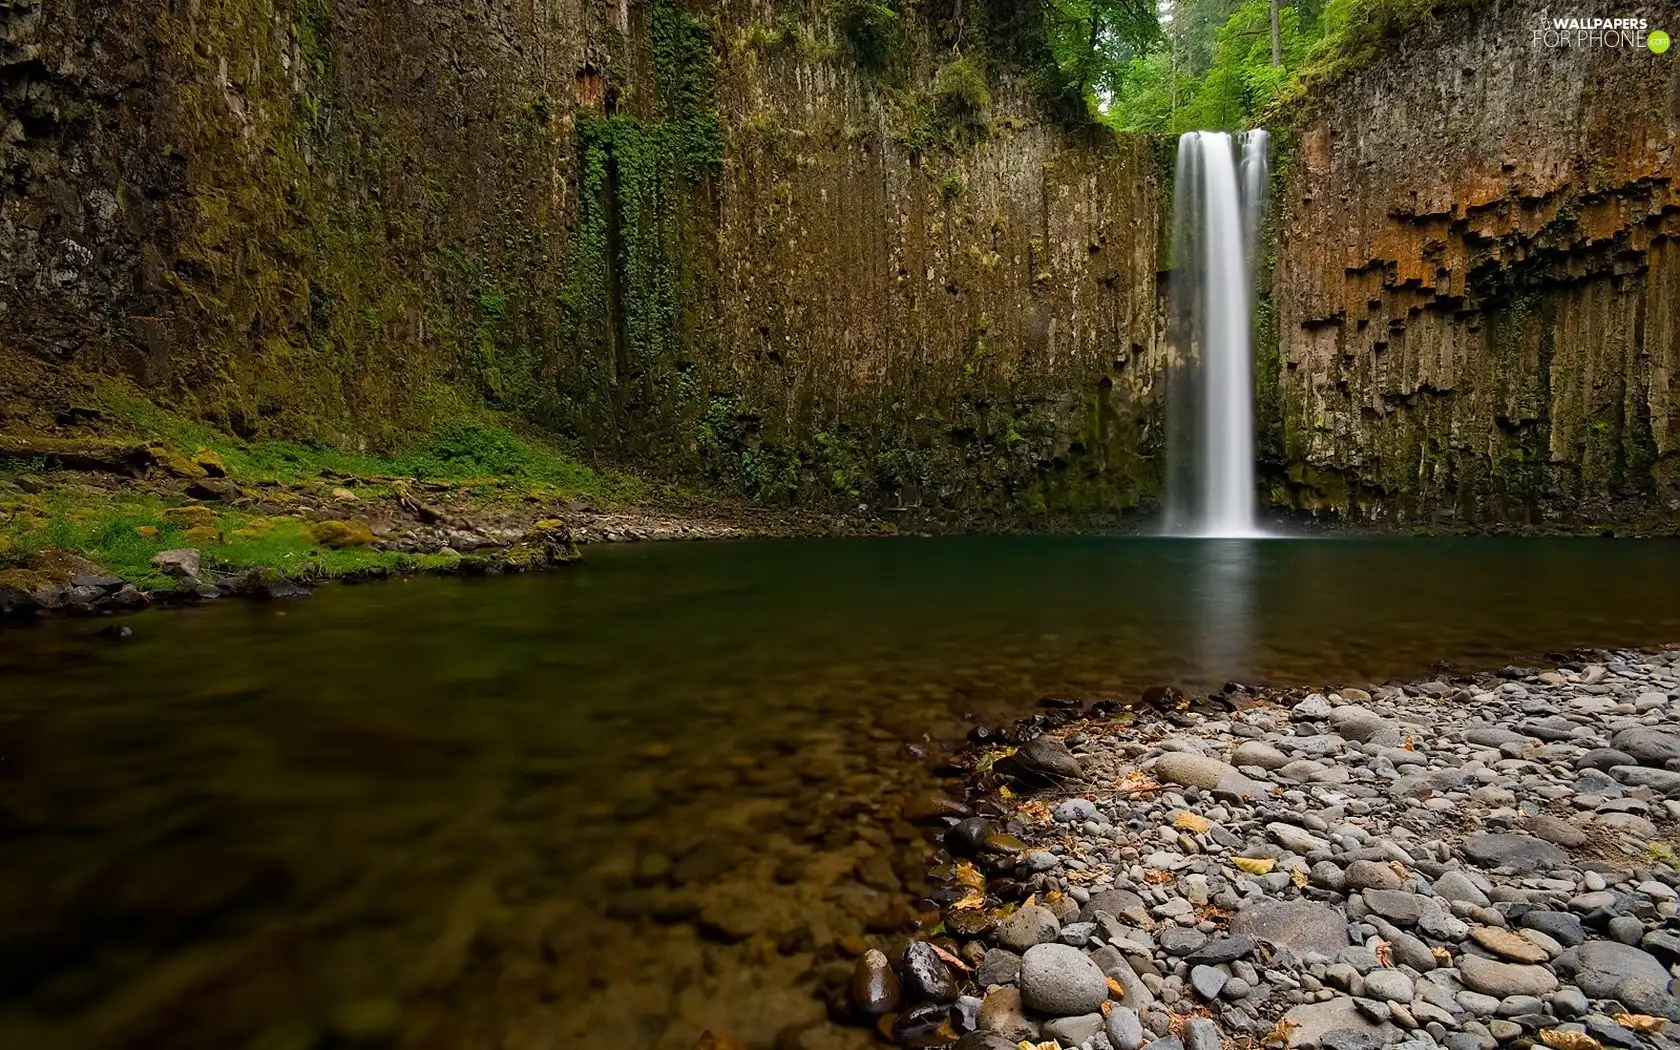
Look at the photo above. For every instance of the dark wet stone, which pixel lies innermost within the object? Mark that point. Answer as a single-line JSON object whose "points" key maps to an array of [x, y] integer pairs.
{"points": [[1043, 759], [925, 1024], [985, 1041], [117, 632], [1161, 696], [968, 837], [875, 988], [926, 975]]}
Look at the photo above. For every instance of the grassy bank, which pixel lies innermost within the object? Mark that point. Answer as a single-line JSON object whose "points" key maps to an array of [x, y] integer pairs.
{"points": [[303, 511]]}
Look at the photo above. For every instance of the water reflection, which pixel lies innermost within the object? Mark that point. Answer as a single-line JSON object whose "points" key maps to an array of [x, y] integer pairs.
{"points": [[1224, 602]]}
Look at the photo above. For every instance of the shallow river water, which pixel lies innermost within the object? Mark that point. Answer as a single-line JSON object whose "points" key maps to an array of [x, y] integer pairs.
{"points": [[619, 804]]}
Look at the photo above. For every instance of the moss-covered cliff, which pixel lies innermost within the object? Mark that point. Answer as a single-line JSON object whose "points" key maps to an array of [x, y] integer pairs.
{"points": [[1477, 285], [833, 253], [778, 247]]}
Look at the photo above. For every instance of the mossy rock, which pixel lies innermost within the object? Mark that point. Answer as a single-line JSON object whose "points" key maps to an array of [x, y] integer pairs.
{"points": [[337, 535], [148, 532], [24, 581], [5, 546], [210, 463], [548, 525], [192, 517], [204, 534], [177, 464]]}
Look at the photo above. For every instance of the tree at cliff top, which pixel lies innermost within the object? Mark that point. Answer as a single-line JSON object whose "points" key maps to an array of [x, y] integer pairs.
{"points": [[1222, 64], [1091, 43]]}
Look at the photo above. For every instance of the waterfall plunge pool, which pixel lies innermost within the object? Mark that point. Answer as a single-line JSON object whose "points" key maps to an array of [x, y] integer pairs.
{"points": [[617, 805]]}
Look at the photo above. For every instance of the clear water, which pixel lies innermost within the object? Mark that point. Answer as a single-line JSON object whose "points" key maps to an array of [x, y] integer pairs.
{"points": [[529, 812]]}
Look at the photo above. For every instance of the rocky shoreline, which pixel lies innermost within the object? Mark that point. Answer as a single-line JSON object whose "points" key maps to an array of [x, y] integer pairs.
{"points": [[1465, 863]]}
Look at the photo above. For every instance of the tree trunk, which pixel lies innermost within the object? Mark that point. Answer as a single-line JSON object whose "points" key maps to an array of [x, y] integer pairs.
{"points": [[1277, 42]]}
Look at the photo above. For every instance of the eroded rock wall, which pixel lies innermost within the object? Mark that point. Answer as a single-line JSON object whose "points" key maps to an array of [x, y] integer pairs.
{"points": [[700, 238], [1477, 281]]}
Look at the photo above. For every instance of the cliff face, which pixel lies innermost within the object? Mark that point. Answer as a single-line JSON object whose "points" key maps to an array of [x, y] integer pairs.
{"points": [[709, 240], [700, 238], [1477, 283]]}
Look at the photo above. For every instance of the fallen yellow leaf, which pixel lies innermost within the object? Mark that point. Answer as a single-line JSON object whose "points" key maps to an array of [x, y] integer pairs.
{"points": [[1254, 865], [1298, 876], [1115, 990], [1639, 1022], [1004, 792], [1188, 821], [968, 875], [971, 900], [1559, 1039]]}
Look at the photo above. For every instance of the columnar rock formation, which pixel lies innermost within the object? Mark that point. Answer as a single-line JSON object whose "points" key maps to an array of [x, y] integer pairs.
{"points": [[702, 238], [1477, 286]]}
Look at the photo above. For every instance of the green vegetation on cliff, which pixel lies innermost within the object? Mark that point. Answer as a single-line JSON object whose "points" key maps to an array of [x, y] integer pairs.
{"points": [[1222, 65]]}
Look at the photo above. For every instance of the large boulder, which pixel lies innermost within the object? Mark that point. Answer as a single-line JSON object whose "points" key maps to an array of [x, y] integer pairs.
{"points": [[1599, 967], [1060, 980], [1651, 745]]}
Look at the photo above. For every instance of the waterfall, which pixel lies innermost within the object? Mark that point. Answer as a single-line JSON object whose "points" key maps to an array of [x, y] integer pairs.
{"points": [[1218, 195]]}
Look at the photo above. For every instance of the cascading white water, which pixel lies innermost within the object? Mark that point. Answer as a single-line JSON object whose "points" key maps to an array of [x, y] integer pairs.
{"points": [[1219, 192]]}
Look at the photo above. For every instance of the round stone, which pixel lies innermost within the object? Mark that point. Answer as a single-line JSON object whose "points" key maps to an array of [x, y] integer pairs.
{"points": [[1062, 981]]}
